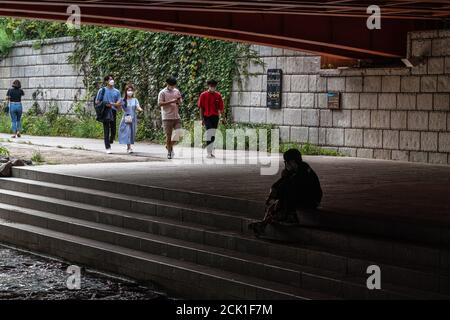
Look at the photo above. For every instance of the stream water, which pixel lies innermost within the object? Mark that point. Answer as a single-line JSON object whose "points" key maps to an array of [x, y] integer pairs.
{"points": [[26, 276]]}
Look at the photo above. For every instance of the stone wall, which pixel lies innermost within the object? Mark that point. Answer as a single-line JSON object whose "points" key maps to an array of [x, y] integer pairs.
{"points": [[44, 71], [386, 113]]}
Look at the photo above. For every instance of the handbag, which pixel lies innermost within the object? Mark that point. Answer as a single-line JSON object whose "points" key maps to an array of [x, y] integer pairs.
{"points": [[128, 119]]}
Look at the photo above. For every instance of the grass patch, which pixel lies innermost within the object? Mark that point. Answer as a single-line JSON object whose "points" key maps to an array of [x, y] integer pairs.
{"points": [[37, 157], [4, 151], [60, 126], [309, 149]]}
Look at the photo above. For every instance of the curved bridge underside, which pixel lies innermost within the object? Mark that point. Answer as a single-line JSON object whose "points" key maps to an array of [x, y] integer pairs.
{"points": [[329, 27]]}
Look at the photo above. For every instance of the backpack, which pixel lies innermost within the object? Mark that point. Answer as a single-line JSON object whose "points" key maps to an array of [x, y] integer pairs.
{"points": [[100, 108]]}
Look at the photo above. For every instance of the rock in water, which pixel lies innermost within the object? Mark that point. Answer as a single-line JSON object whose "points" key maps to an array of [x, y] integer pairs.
{"points": [[18, 163]]}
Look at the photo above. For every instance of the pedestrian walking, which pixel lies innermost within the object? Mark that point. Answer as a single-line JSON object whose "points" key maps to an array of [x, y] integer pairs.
{"points": [[128, 124], [170, 99], [211, 107], [110, 97], [14, 99]]}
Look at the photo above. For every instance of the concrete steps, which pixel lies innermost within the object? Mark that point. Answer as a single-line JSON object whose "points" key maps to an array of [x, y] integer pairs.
{"points": [[177, 277], [300, 276], [429, 232], [324, 264]]}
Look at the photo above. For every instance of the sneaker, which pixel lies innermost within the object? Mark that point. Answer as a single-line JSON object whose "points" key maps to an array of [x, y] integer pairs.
{"points": [[18, 135], [130, 150], [173, 154], [210, 156], [169, 155], [14, 136], [108, 151]]}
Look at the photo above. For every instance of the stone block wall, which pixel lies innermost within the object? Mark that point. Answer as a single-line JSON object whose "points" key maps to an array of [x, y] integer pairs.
{"points": [[386, 113], [45, 71]]}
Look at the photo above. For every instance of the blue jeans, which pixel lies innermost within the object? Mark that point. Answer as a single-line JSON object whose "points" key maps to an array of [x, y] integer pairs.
{"points": [[15, 110]]}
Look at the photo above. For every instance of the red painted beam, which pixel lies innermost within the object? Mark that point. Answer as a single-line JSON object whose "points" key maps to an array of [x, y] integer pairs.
{"points": [[340, 36]]}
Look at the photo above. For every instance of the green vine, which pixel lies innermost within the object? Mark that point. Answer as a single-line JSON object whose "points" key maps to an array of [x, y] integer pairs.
{"points": [[146, 59]]}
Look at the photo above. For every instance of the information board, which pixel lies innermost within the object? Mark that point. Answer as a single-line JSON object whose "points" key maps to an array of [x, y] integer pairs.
{"points": [[274, 88]]}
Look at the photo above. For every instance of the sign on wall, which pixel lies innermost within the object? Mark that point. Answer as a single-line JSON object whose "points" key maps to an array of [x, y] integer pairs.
{"points": [[274, 88], [334, 100]]}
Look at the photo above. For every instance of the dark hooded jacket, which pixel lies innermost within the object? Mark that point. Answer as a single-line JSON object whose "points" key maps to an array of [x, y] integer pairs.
{"points": [[297, 189]]}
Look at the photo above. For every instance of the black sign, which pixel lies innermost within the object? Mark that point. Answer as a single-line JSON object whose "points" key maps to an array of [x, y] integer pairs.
{"points": [[274, 88]]}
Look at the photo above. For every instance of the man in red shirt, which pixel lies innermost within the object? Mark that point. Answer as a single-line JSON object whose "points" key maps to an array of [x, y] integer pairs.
{"points": [[211, 107]]}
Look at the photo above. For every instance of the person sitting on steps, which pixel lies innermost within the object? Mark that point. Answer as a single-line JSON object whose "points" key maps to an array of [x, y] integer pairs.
{"points": [[297, 189]]}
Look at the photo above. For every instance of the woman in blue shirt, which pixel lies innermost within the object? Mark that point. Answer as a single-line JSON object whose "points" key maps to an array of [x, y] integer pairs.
{"points": [[128, 124], [14, 97]]}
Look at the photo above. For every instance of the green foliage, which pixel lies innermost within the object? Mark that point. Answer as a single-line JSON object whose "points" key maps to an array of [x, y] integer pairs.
{"points": [[37, 157], [62, 126], [146, 59], [4, 151], [23, 29], [310, 149], [6, 43]]}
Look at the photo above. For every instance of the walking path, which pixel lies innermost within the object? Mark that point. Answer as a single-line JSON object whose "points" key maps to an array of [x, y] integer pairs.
{"points": [[154, 151]]}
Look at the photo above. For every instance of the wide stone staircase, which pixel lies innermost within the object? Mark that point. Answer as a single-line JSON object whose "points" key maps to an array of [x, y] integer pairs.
{"points": [[198, 246]]}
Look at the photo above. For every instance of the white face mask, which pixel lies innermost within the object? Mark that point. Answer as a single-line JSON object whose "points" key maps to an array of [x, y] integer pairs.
{"points": [[130, 93], [111, 83], [212, 89]]}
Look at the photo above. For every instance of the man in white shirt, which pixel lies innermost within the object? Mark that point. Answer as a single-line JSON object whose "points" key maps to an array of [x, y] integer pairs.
{"points": [[169, 99]]}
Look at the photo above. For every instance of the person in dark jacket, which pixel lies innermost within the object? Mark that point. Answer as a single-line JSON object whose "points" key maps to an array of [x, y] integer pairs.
{"points": [[14, 98], [297, 189]]}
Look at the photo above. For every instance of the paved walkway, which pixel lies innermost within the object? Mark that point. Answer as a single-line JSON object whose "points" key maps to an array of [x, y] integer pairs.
{"points": [[356, 186], [152, 151]]}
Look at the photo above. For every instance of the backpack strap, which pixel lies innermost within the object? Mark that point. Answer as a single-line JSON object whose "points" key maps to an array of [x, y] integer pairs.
{"points": [[101, 96]]}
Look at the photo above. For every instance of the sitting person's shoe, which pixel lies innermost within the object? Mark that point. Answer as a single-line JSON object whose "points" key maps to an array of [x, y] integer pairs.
{"points": [[257, 227]]}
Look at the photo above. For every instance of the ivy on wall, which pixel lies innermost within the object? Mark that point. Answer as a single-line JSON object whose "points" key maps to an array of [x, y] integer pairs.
{"points": [[146, 59]]}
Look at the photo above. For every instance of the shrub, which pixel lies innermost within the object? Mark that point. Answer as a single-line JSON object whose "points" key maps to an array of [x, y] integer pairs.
{"points": [[37, 157], [6, 43], [309, 149], [4, 151]]}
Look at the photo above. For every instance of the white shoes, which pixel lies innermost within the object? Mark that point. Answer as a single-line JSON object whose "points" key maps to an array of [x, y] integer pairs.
{"points": [[130, 150], [108, 151]]}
